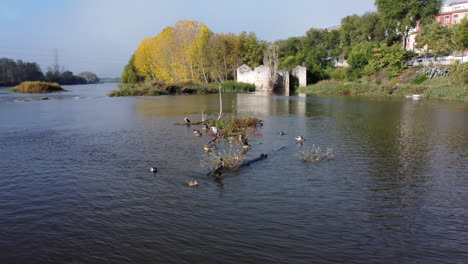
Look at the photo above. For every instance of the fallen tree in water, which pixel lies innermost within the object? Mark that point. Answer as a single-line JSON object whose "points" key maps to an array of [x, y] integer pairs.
{"points": [[232, 160]]}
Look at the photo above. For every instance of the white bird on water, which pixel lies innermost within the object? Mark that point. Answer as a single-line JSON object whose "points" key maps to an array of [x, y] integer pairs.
{"points": [[215, 131], [414, 96], [187, 120], [299, 139], [192, 183]]}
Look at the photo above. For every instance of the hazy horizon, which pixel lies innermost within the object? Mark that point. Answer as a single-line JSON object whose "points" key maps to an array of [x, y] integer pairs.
{"points": [[99, 36]]}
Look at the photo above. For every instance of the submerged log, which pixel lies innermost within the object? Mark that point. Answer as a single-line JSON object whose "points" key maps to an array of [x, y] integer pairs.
{"points": [[248, 162], [193, 123], [244, 163]]}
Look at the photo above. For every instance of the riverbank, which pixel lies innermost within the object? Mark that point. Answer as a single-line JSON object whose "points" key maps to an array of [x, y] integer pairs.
{"points": [[408, 82], [154, 88], [37, 87]]}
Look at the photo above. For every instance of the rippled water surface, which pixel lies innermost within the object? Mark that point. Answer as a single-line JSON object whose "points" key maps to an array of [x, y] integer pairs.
{"points": [[75, 185]]}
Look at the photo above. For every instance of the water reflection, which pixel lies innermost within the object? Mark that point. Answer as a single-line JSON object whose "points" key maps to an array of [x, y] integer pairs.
{"points": [[395, 190]]}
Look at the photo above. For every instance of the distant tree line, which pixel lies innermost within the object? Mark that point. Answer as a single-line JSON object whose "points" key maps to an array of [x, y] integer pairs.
{"points": [[14, 72], [189, 51]]}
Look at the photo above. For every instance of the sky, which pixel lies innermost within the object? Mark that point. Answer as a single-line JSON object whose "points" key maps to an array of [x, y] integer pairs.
{"points": [[100, 35]]}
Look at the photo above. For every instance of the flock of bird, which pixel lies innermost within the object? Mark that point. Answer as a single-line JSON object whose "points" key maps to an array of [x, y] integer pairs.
{"points": [[216, 132]]}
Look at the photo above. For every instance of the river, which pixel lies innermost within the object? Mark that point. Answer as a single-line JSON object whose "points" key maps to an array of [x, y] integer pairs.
{"points": [[75, 185]]}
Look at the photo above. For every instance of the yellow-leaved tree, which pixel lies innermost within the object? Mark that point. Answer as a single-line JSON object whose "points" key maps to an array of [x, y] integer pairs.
{"points": [[175, 54]]}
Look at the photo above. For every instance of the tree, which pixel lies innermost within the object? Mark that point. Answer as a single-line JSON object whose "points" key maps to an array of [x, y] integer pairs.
{"points": [[384, 56], [223, 57], [53, 75], [175, 54], [288, 50], [13, 72], [89, 77], [437, 37], [130, 73], [67, 78], [251, 49], [403, 15], [460, 36], [271, 61]]}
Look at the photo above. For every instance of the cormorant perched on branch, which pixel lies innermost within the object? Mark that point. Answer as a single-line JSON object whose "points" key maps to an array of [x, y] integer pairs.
{"points": [[243, 140]]}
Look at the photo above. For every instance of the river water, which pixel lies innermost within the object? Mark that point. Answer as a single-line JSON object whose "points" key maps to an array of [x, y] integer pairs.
{"points": [[75, 185]]}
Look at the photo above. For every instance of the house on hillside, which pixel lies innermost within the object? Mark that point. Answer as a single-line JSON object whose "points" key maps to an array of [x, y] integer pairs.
{"points": [[450, 15]]}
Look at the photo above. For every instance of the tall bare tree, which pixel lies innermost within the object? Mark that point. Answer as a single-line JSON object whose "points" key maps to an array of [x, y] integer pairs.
{"points": [[270, 60]]}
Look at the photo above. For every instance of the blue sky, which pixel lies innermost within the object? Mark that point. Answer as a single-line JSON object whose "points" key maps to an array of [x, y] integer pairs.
{"points": [[100, 35]]}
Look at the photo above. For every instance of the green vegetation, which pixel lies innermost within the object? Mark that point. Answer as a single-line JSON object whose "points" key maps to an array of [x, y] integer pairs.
{"points": [[410, 81], [403, 15], [37, 87], [232, 157], [373, 45], [68, 78], [237, 87], [153, 88], [234, 125]]}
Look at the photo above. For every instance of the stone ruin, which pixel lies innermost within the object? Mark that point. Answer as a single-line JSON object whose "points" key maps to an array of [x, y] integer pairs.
{"points": [[260, 77]]}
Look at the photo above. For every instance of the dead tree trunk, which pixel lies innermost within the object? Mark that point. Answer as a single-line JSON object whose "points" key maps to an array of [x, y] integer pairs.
{"points": [[271, 61]]}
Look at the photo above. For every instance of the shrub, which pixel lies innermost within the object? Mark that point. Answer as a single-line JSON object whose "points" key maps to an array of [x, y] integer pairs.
{"points": [[38, 87], [339, 73], [232, 158], [419, 79], [237, 87], [233, 126], [162, 88]]}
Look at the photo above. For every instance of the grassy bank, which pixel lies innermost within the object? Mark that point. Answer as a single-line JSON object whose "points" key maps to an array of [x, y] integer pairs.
{"points": [[37, 87], [410, 81], [154, 88]]}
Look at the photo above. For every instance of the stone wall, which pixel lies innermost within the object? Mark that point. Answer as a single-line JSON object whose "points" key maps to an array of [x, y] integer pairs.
{"points": [[282, 83], [245, 74], [260, 77], [301, 74]]}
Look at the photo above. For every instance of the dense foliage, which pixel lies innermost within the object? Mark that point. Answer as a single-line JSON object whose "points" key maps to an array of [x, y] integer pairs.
{"points": [[190, 52], [370, 44]]}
